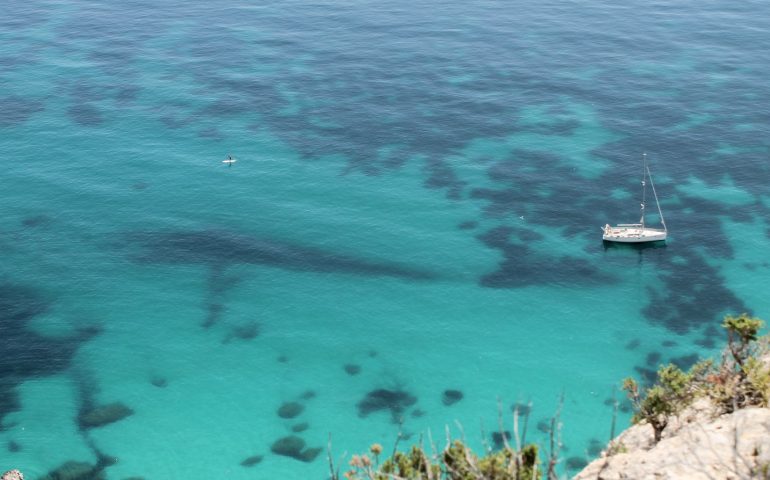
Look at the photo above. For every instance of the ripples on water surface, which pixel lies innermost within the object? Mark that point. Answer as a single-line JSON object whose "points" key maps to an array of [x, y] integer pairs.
{"points": [[416, 208]]}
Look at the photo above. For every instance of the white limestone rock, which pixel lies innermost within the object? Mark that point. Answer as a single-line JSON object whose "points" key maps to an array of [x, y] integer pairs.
{"points": [[12, 475], [696, 446]]}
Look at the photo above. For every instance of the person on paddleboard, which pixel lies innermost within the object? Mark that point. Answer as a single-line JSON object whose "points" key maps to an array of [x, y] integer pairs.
{"points": [[229, 161]]}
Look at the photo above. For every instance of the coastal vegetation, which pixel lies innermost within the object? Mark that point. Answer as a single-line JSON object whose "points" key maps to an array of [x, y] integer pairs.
{"points": [[455, 462], [740, 379]]}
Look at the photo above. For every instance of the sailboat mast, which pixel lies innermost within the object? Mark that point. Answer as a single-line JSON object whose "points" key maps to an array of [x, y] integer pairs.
{"points": [[660, 212], [644, 187]]}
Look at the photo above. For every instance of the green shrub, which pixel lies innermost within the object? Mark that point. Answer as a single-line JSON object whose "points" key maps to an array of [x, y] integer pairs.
{"points": [[456, 462], [742, 379], [758, 380], [670, 395], [741, 336]]}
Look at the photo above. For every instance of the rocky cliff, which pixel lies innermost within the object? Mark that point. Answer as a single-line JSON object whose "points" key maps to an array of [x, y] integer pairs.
{"points": [[698, 444]]}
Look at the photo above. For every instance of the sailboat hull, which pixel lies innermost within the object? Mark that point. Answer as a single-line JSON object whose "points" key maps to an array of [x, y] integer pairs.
{"points": [[633, 234]]}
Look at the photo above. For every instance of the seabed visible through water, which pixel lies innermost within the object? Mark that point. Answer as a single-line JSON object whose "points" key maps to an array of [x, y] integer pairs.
{"points": [[410, 237]]}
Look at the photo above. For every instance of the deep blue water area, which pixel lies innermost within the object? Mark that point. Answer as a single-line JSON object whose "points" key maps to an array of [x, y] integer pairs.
{"points": [[410, 236]]}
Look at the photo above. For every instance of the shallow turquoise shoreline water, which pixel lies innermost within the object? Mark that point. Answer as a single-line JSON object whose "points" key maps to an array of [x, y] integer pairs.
{"points": [[419, 193]]}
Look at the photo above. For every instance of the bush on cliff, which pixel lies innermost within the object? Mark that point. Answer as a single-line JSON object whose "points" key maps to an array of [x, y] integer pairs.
{"points": [[673, 391], [455, 462], [741, 379]]}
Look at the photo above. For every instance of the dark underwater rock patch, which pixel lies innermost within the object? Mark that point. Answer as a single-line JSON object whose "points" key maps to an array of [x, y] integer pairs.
{"points": [[19, 304], [12, 62], [248, 331], [648, 375], [712, 332], [112, 59], [633, 344], [308, 394], [73, 470], [516, 189], [595, 447], [352, 369], [160, 382], [17, 110], [220, 248], [300, 427], [226, 107], [310, 454], [9, 398], [26, 353], [214, 311], [450, 397], [468, 225], [417, 413], [39, 220], [13, 446], [294, 447], [252, 460], [394, 401], [692, 297], [559, 127], [127, 93], [84, 92], [104, 415], [625, 406], [544, 426], [85, 114], [668, 343], [576, 463], [290, 410], [653, 359], [499, 439], [174, 122], [528, 235], [442, 176], [522, 266], [685, 361], [212, 133], [524, 408]]}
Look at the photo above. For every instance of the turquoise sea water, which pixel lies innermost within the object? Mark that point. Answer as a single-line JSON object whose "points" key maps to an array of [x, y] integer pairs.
{"points": [[418, 194]]}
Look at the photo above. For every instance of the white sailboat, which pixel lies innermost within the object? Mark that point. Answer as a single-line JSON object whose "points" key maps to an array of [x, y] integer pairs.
{"points": [[638, 232]]}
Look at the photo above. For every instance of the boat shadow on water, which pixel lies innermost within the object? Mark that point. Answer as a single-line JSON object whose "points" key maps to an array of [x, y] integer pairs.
{"points": [[609, 245]]}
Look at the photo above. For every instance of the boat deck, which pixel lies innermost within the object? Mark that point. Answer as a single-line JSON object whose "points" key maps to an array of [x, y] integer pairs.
{"points": [[632, 233]]}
